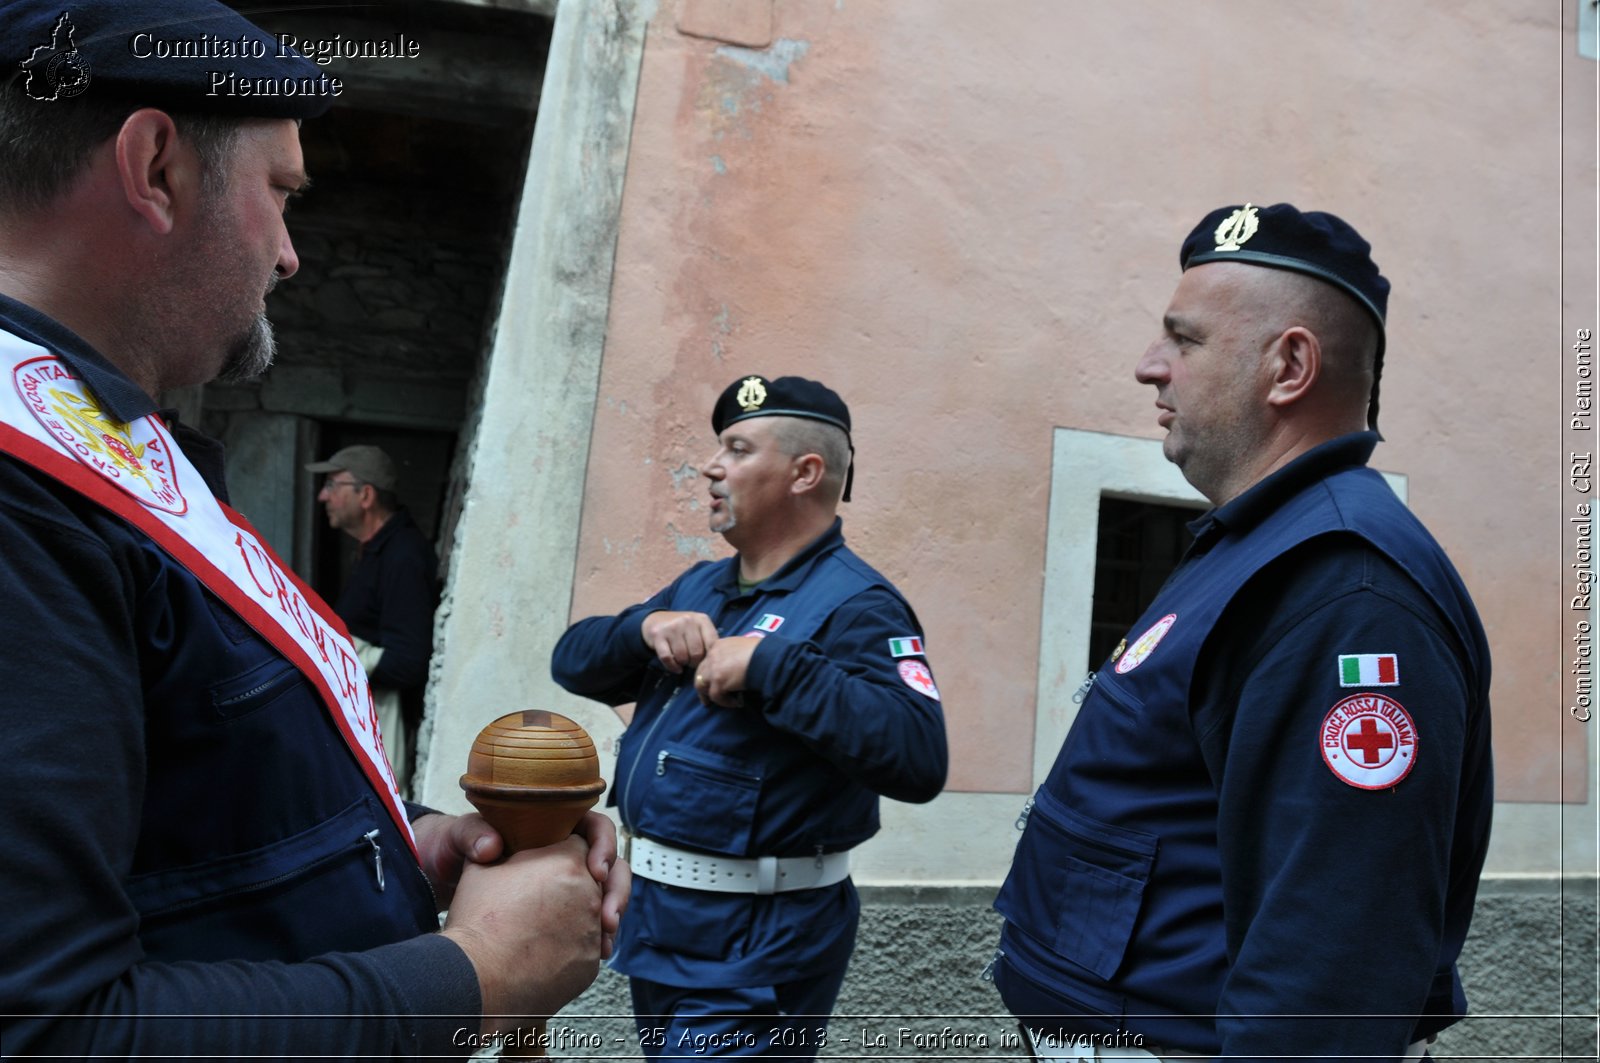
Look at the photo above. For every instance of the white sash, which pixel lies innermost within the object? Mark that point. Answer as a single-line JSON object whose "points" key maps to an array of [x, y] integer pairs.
{"points": [[52, 421]]}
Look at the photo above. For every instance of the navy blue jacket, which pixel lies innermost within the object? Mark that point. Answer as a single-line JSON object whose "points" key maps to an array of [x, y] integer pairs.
{"points": [[186, 832], [1203, 857], [828, 724]]}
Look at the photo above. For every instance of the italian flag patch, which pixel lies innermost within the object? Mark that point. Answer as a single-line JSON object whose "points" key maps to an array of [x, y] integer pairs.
{"points": [[1369, 670], [769, 622], [909, 646]]}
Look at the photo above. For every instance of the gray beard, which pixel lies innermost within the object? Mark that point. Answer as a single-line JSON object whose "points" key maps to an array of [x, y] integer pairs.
{"points": [[728, 519], [251, 355]]}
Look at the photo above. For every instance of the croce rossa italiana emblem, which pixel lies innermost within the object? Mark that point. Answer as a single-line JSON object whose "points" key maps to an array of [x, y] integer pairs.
{"points": [[136, 457]]}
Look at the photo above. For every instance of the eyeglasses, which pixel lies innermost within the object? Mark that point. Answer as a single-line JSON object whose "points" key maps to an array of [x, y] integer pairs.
{"points": [[330, 484]]}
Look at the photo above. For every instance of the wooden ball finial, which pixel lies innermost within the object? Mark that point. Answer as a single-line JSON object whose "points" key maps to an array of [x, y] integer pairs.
{"points": [[533, 774]]}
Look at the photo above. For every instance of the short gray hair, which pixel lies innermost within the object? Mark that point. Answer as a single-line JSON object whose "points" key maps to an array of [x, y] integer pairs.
{"points": [[803, 435]]}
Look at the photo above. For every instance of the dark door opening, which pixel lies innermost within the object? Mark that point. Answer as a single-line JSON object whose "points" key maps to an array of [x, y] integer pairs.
{"points": [[423, 457]]}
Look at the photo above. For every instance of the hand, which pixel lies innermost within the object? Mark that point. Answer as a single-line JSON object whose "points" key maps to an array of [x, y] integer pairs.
{"points": [[680, 640], [446, 844], [613, 874], [720, 679], [532, 928]]}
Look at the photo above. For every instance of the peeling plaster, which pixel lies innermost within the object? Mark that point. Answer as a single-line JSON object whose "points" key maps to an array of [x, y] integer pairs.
{"points": [[625, 552], [718, 164], [691, 545], [724, 326], [684, 474], [771, 63]]}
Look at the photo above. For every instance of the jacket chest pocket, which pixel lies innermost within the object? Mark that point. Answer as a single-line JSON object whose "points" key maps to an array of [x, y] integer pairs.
{"points": [[349, 836], [1076, 885], [333, 887], [700, 799], [256, 689]]}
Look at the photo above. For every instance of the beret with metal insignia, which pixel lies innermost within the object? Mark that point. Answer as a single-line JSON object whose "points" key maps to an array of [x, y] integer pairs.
{"points": [[787, 396], [188, 56], [1314, 243]]}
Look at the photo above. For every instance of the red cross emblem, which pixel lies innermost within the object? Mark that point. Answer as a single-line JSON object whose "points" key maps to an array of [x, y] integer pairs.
{"points": [[1369, 741]]}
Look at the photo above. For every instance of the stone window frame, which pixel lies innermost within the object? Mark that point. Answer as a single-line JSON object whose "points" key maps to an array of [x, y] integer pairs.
{"points": [[1084, 466]]}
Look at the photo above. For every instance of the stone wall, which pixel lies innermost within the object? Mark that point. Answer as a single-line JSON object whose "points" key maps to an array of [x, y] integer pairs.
{"points": [[384, 323], [382, 330], [921, 952]]}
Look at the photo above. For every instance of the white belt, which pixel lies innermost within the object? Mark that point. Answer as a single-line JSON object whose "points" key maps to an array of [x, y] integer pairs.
{"points": [[727, 874]]}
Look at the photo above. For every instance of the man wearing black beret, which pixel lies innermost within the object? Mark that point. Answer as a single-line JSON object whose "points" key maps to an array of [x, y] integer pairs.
{"points": [[206, 855], [777, 694], [1262, 837]]}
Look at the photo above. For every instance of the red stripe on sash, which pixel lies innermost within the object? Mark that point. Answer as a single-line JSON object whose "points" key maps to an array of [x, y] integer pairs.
{"points": [[91, 485]]}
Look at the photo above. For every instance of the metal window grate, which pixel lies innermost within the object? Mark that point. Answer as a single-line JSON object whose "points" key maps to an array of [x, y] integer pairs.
{"points": [[1138, 546]]}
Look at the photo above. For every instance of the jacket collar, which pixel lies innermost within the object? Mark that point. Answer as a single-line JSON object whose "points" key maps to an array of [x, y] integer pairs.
{"points": [[397, 519], [1260, 501], [794, 572]]}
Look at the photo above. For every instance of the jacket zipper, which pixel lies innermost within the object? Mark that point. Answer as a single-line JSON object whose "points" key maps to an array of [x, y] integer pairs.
{"points": [[644, 744], [664, 755], [371, 838]]}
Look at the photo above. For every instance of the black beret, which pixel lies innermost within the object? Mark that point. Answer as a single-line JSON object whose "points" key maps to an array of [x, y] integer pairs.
{"points": [[1315, 243], [787, 396], [194, 56]]}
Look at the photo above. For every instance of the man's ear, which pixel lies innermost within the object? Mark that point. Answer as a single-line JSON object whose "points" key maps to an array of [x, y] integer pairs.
{"points": [[1296, 364], [159, 175], [808, 470]]}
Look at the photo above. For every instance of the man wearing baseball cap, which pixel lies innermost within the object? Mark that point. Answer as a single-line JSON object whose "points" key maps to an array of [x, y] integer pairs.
{"points": [[778, 693], [206, 855], [388, 600], [1262, 837]]}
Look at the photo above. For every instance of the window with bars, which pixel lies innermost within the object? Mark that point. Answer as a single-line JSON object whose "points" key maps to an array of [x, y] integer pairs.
{"points": [[1138, 545]]}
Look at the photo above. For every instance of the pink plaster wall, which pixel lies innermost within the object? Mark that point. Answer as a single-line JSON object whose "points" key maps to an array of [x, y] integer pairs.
{"points": [[964, 216]]}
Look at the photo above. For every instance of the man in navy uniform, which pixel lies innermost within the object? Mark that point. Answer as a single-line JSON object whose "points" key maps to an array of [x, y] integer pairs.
{"points": [[205, 853], [1263, 834], [778, 693]]}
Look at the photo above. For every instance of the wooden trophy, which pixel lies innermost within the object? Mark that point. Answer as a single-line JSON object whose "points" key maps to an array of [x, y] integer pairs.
{"points": [[532, 775]]}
